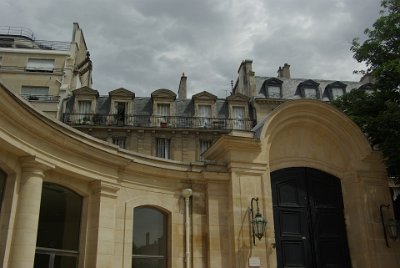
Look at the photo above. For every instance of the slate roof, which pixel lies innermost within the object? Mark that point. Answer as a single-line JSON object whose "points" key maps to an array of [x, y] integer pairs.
{"points": [[290, 86]]}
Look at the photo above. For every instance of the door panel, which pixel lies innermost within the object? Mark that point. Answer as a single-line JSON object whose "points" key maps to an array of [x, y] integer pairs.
{"points": [[309, 220], [290, 214]]}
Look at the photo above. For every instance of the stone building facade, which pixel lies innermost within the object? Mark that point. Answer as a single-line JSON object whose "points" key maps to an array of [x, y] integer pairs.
{"points": [[71, 200]]}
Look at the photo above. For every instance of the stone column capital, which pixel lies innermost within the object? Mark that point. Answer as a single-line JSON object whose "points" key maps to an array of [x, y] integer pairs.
{"points": [[104, 189], [35, 164]]}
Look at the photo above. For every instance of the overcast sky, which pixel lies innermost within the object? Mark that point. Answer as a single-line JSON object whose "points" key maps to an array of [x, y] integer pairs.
{"points": [[143, 45]]}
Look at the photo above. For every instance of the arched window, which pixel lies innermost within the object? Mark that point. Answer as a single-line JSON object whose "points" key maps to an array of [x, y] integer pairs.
{"points": [[57, 242], [2, 186], [149, 238]]}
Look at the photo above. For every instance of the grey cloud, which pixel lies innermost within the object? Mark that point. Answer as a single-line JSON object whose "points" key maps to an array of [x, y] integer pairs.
{"points": [[145, 45]]}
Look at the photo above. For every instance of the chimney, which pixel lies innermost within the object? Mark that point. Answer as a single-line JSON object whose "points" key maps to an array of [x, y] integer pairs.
{"points": [[284, 72], [182, 87]]}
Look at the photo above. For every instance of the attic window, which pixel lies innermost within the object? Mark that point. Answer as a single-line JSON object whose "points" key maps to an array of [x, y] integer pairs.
{"points": [[273, 88], [308, 89]]}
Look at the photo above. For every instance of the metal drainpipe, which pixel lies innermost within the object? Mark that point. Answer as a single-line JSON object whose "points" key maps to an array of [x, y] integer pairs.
{"points": [[187, 193]]}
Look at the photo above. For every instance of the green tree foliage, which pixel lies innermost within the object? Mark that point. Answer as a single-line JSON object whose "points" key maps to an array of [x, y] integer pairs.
{"points": [[378, 114]]}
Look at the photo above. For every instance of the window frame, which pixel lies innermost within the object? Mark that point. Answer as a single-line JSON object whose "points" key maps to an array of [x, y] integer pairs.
{"points": [[165, 155], [166, 230], [308, 84], [32, 66], [272, 82]]}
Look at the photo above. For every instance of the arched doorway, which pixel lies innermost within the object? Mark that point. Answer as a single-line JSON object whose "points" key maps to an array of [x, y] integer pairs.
{"points": [[309, 221], [57, 242]]}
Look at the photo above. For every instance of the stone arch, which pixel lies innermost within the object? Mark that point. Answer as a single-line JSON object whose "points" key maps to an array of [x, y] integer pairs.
{"points": [[314, 134]]}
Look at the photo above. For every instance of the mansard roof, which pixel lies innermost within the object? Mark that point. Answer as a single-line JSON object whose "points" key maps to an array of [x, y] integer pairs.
{"points": [[290, 86]]}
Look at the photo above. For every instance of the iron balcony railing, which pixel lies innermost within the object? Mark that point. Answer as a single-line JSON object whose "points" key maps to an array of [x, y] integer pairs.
{"points": [[24, 38], [17, 31], [154, 121]]}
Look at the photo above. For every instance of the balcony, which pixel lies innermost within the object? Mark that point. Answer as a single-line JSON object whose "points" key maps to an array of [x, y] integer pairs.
{"points": [[20, 37], [152, 121]]}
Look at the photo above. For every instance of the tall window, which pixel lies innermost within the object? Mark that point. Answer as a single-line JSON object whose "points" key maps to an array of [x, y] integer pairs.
{"points": [[120, 108], [57, 242], [163, 109], [40, 65], [119, 141], [238, 117], [204, 145], [149, 238], [163, 149], [84, 111], [205, 115], [2, 186]]}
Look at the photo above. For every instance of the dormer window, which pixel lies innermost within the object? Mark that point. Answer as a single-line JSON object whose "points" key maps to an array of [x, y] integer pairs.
{"points": [[334, 90], [85, 105], [273, 88], [308, 89], [163, 107], [204, 109], [121, 106]]}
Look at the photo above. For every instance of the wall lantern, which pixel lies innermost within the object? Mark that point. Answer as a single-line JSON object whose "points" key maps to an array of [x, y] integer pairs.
{"points": [[390, 227], [258, 223]]}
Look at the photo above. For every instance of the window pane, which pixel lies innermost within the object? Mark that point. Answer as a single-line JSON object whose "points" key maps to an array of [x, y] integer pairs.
{"points": [[149, 234], [84, 107], [163, 109], [65, 262], [40, 65], [2, 186], [204, 145], [337, 92], [119, 141], [310, 93], [41, 261], [59, 218], [34, 91], [163, 148], [274, 92]]}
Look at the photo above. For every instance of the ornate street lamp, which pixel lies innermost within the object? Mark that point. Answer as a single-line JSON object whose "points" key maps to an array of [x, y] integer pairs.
{"points": [[258, 223]]}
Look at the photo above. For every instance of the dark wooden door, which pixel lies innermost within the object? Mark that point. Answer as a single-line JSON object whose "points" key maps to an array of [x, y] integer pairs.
{"points": [[308, 217]]}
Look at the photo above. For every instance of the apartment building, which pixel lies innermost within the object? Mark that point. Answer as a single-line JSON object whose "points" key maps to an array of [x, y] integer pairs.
{"points": [[43, 72]]}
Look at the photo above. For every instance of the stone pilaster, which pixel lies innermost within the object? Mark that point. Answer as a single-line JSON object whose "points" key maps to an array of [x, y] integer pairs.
{"points": [[101, 225], [27, 214]]}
